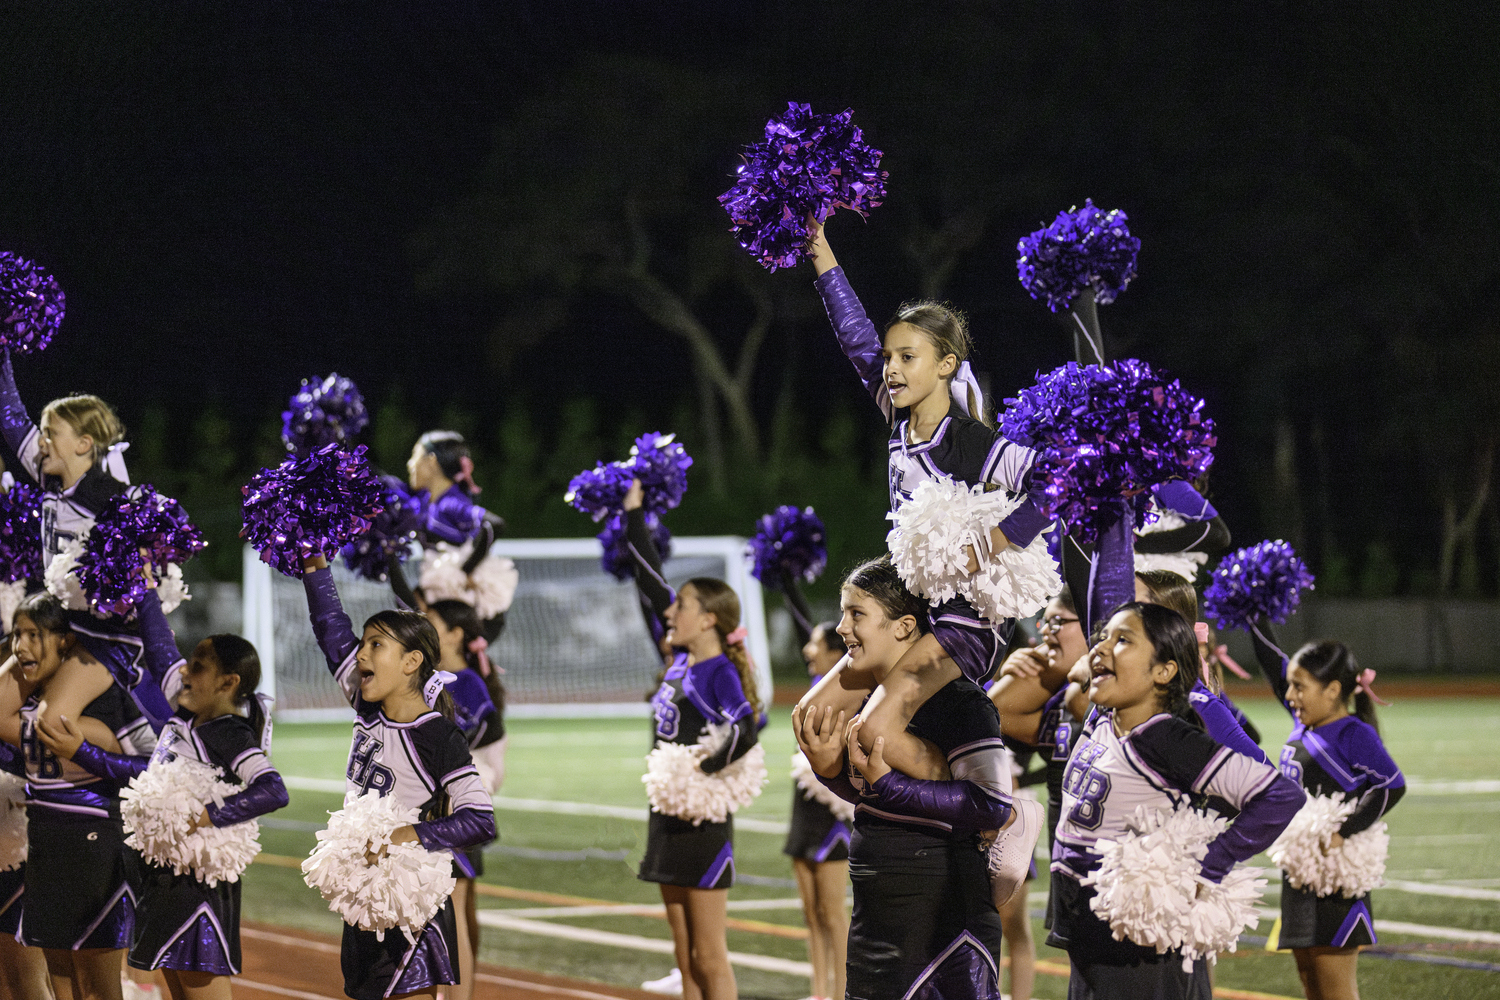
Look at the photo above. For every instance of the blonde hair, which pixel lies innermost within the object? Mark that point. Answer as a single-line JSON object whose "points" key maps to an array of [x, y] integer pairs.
{"points": [[720, 600], [947, 329], [91, 417]]}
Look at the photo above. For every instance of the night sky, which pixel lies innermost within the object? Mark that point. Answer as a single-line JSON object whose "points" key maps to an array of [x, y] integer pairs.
{"points": [[237, 195]]}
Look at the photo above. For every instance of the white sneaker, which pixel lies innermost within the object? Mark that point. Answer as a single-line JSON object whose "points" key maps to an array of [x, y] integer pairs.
{"points": [[670, 984], [1010, 854]]}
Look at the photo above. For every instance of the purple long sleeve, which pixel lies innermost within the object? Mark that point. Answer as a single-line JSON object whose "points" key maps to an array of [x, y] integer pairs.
{"points": [[265, 794], [331, 625], [162, 655], [465, 828], [14, 423], [1112, 573], [1262, 818], [1024, 523], [856, 334], [1181, 497], [840, 785], [961, 804], [1218, 718], [115, 767]]}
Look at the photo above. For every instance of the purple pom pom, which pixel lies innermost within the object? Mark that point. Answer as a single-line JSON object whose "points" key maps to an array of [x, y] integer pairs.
{"points": [[323, 411], [1263, 581], [1106, 433], [1083, 248], [616, 558], [787, 541], [390, 534], [21, 533], [31, 305], [109, 568], [661, 464], [807, 164], [599, 491], [310, 505]]}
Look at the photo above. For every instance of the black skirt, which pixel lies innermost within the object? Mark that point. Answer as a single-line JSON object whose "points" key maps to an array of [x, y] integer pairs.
{"points": [[374, 969], [12, 892], [923, 916], [679, 853], [80, 867], [816, 834], [183, 924], [1311, 921]]}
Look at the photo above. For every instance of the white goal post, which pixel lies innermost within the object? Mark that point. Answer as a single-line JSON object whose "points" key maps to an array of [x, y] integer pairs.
{"points": [[574, 642]]}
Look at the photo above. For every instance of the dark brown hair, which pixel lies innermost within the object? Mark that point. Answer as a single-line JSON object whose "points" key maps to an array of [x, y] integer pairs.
{"points": [[416, 635], [1330, 661], [879, 579]]}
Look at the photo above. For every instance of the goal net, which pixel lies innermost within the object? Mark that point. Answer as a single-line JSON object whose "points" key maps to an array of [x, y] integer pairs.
{"points": [[574, 641]]}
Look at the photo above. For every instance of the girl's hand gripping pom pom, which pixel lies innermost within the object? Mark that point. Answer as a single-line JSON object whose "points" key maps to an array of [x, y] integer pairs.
{"points": [[615, 556], [676, 785], [599, 492], [139, 529], [162, 807], [660, 463], [1313, 859]]}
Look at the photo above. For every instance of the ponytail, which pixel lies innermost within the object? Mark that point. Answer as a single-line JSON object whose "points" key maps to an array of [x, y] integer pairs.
{"points": [[461, 615], [237, 655], [1328, 661], [719, 600]]}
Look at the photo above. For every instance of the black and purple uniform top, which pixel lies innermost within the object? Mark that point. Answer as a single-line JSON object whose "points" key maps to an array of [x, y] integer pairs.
{"points": [[425, 764], [960, 449], [962, 722], [66, 789], [231, 743]]}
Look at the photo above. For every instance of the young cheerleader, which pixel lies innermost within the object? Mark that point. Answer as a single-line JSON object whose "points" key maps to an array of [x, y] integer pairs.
{"points": [[818, 841], [77, 860], [23, 970], [920, 379], [924, 920], [1333, 751], [708, 688], [184, 927], [478, 710], [1140, 748], [76, 456], [405, 745]]}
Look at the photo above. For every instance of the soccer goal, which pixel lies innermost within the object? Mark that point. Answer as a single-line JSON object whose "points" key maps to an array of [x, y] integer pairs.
{"points": [[574, 642]]}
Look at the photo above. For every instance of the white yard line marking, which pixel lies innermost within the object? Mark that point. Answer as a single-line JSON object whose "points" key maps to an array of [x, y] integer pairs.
{"points": [[522, 984], [1417, 786], [287, 939], [1446, 933], [660, 946], [635, 813], [641, 909], [1434, 889]]}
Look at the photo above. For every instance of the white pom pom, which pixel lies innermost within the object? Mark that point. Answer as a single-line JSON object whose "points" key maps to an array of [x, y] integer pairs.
{"points": [[11, 596], [1302, 850], [404, 889], [12, 822], [489, 589], [935, 528], [812, 788], [159, 806], [677, 786], [1150, 890], [495, 580], [61, 577], [1184, 564], [171, 589]]}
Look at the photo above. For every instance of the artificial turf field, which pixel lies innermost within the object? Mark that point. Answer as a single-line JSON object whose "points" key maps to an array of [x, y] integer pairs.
{"points": [[1445, 838]]}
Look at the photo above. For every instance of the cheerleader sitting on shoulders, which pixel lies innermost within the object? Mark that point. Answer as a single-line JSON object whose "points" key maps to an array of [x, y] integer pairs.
{"points": [[924, 922], [1332, 752], [405, 745], [184, 926], [1139, 748]]}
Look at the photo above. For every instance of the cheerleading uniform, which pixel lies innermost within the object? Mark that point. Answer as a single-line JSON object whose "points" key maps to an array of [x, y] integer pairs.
{"points": [[1341, 758], [475, 714], [1201, 532], [815, 833], [76, 855], [425, 764], [924, 923], [960, 449], [12, 882], [1158, 764]]}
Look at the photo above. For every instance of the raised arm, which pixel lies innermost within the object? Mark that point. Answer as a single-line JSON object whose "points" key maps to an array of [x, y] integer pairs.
{"points": [[19, 432], [331, 626], [1272, 660], [647, 561], [1218, 718], [490, 527], [856, 334], [163, 658], [1205, 530]]}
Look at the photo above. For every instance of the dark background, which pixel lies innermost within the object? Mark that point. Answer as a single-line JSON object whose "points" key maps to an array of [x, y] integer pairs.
{"points": [[501, 217]]}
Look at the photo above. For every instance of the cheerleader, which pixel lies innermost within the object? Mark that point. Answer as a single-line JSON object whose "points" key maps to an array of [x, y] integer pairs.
{"points": [[924, 918], [1334, 750], [478, 710], [405, 745], [23, 970], [1139, 749], [709, 688], [183, 926], [76, 456], [77, 860], [818, 841], [920, 379]]}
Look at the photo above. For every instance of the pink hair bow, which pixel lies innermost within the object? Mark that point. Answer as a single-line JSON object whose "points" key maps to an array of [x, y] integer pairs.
{"points": [[1220, 653], [737, 637], [466, 474], [1366, 683], [479, 646]]}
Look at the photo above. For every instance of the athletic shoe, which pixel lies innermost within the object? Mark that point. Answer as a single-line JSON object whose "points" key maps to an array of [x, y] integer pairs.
{"points": [[1010, 854], [670, 984]]}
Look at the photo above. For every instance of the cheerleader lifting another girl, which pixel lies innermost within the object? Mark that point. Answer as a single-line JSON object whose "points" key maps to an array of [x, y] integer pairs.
{"points": [[406, 746], [184, 926]]}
